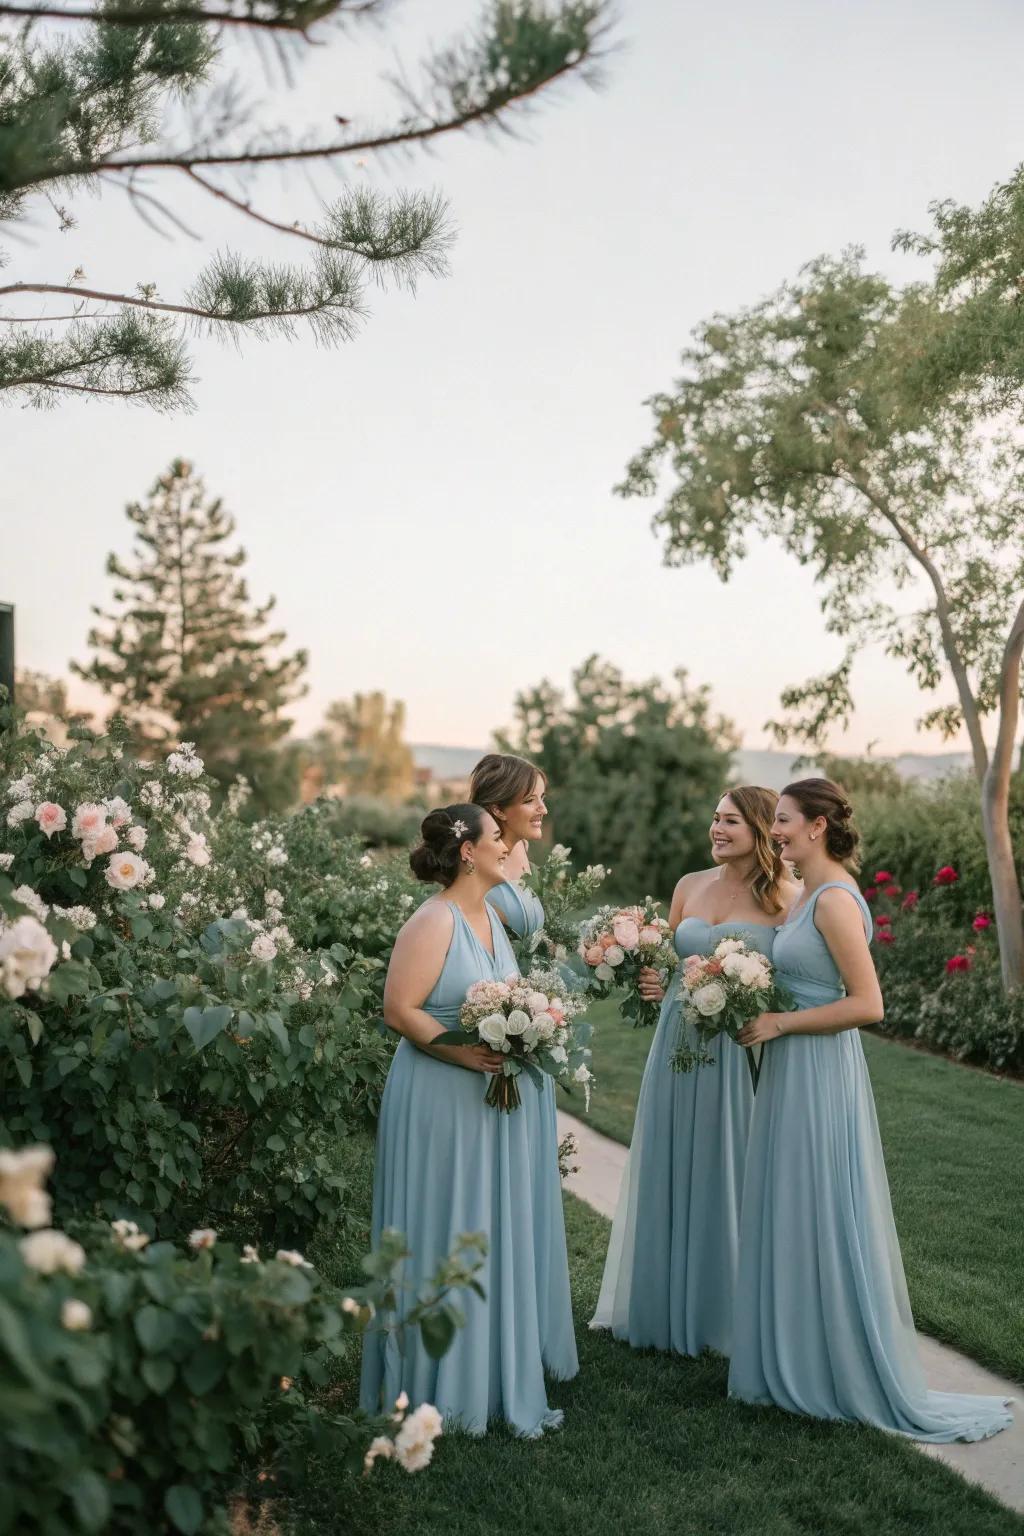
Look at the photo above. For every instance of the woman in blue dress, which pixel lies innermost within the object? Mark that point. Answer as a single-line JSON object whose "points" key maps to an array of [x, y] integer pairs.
{"points": [[669, 1276], [513, 791], [822, 1323], [448, 1164]]}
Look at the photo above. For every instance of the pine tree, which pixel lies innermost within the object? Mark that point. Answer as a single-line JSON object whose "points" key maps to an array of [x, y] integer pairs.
{"points": [[185, 653], [91, 107], [362, 744]]}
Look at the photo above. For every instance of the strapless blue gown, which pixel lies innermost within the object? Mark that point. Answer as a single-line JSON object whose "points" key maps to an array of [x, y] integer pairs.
{"points": [[822, 1321], [447, 1164], [671, 1266]]}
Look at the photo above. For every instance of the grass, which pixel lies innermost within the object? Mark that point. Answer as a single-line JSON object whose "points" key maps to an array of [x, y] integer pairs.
{"points": [[952, 1138], [651, 1442]]}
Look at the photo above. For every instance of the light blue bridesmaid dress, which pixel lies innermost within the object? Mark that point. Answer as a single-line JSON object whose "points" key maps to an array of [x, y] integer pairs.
{"points": [[671, 1265], [518, 907], [822, 1322], [447, 1164]]}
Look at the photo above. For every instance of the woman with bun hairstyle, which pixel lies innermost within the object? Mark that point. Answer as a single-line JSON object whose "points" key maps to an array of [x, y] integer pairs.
{"points": [[447, 1163], [822, 1323], [513, 791], [671, 1268]]}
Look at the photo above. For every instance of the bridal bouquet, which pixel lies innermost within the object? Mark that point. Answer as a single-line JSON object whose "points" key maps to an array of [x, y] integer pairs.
{"points": [[617, 943], [537, 1026], [720, 993]]}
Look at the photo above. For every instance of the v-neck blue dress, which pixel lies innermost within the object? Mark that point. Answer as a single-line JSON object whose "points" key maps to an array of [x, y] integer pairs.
{"points": [[671, 1267], [822, 1321], [448, 1164]]}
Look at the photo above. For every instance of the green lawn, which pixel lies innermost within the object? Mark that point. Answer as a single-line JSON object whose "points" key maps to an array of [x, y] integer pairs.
{"points": [[952, 1141], [651, 1443]]}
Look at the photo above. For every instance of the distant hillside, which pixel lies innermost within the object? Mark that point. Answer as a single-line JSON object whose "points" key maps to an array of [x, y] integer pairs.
{"points": [[772, 769]]}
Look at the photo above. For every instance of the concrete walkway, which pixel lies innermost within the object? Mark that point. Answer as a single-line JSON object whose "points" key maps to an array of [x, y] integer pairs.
{"points": [[997, 1464]]}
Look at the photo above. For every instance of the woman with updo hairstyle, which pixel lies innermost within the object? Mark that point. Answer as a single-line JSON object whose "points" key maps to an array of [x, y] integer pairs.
{"points": [[447, 1163], [671, 1269], [822, 1323], [513, 790]]}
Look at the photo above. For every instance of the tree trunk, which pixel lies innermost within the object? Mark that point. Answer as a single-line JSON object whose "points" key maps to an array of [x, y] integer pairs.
{"points": [[995, 815]]}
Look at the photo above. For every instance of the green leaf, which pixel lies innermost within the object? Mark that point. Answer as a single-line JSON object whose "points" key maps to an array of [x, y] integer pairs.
{"points": [[157, 1374], [89, 1494], [437, 1330], [205, 1369], [155, 1328], [276, 1143], [276, 1026], [184, 1508], [205, 1024], [78, 877]]}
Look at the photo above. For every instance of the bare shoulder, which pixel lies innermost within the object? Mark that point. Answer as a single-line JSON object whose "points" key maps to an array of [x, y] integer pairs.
{"points": [[433, 920], [838, 906], [695, 881]]}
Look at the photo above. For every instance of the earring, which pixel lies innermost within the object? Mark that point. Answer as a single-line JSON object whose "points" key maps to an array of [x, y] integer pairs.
{"points": [[470, 866], [813, 836]]}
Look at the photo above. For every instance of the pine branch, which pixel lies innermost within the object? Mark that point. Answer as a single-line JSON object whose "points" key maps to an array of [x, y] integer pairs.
{"points": [[288, 16]]}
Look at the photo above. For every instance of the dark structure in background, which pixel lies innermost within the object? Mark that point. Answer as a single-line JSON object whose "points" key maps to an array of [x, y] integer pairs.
{"points": [[7, 649]]}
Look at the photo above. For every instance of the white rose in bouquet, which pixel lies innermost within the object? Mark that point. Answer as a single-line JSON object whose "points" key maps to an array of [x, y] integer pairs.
{"points": [[492, 1030], [604, 972], [729, 947], [614, 955], [709, 999], [517, 1021]]}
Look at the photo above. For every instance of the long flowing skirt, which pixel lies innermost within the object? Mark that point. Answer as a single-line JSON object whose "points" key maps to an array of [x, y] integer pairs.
{"points": [[822, 1320], [671, 1266], [446, 1165]]}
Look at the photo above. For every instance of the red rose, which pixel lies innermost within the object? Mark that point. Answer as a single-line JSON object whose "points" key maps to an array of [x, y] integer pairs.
{"points": [[870, 892], [883, 877], [893, 891], [981, 922], [958, 963], [885, 936], [947, 875], [910, 901], [883, 920]]}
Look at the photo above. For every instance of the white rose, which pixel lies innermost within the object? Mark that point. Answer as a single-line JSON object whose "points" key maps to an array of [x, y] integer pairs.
{"points": [[380, 1445], [125, 871], [729, 947], [614, 955], [414, 1443], [75, 1315], [293, 1257], [536, 1002], [517, 1021], [492, 1030], [27, 956], [6, 860], [276, 856], [157, 901], [604, 972], [202, 1237], [21, 1179], [118, 810], [250, 1255], [48, 1251], [709, 999], [136, 838], [734, 965], [273, 898], [754, 973], [263, 947], [545, 1025], [197, 852]]}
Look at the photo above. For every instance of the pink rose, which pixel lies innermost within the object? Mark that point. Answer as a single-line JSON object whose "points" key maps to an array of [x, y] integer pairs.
{"points": [[89, 821], [627, 933], [650, 935], [594, 955], [106, 842], [51, 818]]}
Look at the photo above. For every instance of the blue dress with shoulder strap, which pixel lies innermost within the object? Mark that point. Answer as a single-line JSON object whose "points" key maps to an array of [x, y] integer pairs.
{"points": [[671, 1265], [822, 1321], [518, 907], [448, 1164]]}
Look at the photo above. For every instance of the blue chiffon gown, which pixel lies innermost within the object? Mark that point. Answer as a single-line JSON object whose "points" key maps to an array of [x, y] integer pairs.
{"points": [[671, 1265], [822, 1321], [447, 1164], [518, 907]]}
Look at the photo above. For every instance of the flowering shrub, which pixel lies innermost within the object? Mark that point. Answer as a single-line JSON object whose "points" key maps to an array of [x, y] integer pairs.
{"points": [[192, 1007], [137, 1379], [940, 974]]}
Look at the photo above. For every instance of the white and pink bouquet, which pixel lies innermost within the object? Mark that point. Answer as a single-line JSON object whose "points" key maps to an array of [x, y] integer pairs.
{"points": [[617, 943], [536, 1024], [720, 993]]}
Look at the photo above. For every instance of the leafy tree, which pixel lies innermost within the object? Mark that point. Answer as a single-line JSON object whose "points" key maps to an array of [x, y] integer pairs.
{"points": [[362, 744], [89, 110], [802, 419], [634, 768], [184, 652]]}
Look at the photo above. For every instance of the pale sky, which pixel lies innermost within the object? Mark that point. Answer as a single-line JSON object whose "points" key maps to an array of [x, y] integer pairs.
{"points": [[432, 503]]}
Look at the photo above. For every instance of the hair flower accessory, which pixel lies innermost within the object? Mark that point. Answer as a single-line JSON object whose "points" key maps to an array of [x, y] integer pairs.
{"points": [[460, 828]]}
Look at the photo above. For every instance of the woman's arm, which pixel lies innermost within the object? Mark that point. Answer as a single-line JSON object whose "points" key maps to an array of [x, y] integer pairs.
{"points": [[839, 921], [416, 962]]}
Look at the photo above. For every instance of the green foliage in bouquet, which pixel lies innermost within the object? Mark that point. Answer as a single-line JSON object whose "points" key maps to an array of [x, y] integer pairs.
{"points": [[565, 894]]}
